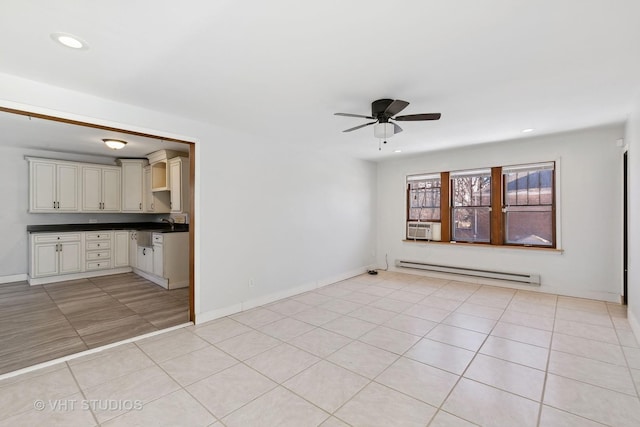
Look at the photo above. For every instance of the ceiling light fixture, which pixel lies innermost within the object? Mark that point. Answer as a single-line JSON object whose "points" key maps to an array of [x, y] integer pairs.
{"points": [[527, 130], [115, 144], [383, 130], [397, 151], [70, 41]]}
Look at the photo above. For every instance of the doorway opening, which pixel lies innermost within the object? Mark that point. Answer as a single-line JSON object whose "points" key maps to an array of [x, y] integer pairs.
{"points": [[16, 319]]}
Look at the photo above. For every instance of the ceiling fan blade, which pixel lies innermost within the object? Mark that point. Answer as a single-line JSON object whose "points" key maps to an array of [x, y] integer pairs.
{"points": [[395, 107], [353, 115], [417, 117], [396, 128], [358, 127]]}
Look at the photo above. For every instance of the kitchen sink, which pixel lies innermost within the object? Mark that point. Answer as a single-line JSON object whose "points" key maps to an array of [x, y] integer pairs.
{"points": [[145, 238]]}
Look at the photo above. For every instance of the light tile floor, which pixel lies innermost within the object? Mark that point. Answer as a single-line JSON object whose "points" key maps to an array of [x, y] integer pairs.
{"points": [[386, 350]]}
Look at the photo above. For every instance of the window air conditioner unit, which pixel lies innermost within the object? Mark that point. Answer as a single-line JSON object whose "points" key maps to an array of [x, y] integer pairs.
{"points": [[423, 231]]}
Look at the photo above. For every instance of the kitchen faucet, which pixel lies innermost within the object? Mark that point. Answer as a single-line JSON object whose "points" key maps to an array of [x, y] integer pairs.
{"points": [[171, 222]]}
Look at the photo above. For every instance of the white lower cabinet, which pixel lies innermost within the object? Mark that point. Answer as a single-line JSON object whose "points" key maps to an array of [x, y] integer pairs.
{"points": [[120, 248], [98, 250], [158, 259], [133, 249], [55, 254], [145, 259], [56, 257]]}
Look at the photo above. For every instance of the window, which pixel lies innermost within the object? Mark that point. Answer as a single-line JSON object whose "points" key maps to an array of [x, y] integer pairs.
{"points": [[528, 204], [471, 205], [424, 197], [501, 205]]}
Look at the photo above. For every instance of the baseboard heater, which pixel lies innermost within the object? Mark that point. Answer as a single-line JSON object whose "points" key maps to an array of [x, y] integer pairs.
{"points": [[533, 279]]}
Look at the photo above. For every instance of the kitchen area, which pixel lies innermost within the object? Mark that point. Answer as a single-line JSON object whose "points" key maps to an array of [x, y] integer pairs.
{"points": [[109, 254], [158, 251]]}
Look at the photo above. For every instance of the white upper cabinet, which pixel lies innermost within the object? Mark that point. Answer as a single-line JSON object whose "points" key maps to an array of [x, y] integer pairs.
{"points": [[111, 190], [53, 186], [91, 188], [132, 185], [154, 201], [179, 184], [101, 190]]}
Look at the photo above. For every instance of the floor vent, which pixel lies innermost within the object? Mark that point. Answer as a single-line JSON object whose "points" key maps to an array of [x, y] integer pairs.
{"points": [[533, 279]]}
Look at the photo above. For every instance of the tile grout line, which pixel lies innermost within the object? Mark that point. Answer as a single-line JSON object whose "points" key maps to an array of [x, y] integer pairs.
{"points": [[84, 396], [624, 354], [461, 375], [546, 370]]}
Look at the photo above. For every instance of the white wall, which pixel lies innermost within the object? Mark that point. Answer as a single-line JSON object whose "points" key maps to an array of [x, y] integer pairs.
{"points": [[14, 215], [589, 185], [283, 217], [632, 139], [275, 213]]}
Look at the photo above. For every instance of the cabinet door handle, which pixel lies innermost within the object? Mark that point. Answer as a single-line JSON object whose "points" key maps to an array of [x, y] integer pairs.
{"points": [[140, 206], [58, 205], [144, 251]]}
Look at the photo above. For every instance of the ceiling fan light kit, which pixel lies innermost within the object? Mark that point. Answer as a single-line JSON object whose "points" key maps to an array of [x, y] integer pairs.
{"points": [[383, 130], [384, 112]]}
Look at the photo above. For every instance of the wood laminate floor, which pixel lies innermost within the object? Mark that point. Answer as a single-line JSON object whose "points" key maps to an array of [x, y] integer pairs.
{"points": [[41, 323]]}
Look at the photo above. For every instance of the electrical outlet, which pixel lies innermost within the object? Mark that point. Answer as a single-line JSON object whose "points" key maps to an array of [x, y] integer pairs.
{"points": [[93, 221], [251, 284]]}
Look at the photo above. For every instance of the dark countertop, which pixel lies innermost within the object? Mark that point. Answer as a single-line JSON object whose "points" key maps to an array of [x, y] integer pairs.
{"points": [[160, 227]]}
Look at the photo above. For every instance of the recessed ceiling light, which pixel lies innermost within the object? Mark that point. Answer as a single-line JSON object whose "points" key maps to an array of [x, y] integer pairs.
{"points": [[527, 130], [69, 40], [115, 144], [397, 151]]}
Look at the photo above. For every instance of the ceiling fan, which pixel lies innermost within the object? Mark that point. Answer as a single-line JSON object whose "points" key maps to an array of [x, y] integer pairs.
{"points": [[383, 112]]}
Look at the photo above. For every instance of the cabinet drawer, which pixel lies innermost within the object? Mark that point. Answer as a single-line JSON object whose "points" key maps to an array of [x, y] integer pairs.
{"points": [[57, 238], [158, 238], [100, 244], [97, 236], [98, 255], [98, 265]]}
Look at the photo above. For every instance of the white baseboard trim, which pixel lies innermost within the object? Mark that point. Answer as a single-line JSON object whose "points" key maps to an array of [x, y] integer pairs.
{"points": [[161, 281], [75, 276], [13, 278], [635, 324], [267, 299], [217, 314]]}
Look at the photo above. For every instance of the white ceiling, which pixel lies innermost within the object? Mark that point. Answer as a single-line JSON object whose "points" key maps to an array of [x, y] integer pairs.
{"points": [[279, 69], [41, 134]]}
